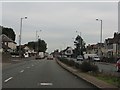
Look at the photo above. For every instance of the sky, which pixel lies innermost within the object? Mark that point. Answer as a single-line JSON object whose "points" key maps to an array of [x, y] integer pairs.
{"points": [[57, 22]]}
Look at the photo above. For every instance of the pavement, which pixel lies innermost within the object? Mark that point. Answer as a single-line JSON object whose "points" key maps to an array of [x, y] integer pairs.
{"points": [[91, 79]]}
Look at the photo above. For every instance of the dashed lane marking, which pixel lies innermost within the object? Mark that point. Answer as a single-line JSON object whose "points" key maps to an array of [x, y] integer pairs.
{"points": [[28, 67], [21, 71], [8, 79], [46, 84]]}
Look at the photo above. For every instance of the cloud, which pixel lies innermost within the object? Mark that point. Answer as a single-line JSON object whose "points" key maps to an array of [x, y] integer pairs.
{"points": [[59, 21]]}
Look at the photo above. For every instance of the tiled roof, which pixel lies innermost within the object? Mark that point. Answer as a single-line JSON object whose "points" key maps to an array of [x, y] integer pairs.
{"points": [[4, 38]]}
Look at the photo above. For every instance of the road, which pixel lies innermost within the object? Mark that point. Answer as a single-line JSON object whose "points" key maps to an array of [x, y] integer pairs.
{"points": [[40, 74]]}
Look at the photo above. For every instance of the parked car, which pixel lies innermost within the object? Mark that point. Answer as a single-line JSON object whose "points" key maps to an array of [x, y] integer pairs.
{"points": [[26, 55], [118, 65], [96, 58], [79, 58], [38, 57], [50, 57]]}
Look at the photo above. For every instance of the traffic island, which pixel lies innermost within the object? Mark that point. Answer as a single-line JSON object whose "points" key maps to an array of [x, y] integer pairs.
{"points": [[90, 79]]}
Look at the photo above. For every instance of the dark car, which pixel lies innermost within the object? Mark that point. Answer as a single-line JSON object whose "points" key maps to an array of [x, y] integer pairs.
{"points": [[38, 57], [118, 65]]}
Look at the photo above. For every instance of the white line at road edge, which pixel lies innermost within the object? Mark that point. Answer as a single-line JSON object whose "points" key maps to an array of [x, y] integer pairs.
{"points": [[45, 84], [22, 71], [8, 79]]}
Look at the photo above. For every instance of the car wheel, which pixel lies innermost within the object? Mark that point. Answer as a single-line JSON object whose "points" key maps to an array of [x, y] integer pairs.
{"points": [[118, 69]]}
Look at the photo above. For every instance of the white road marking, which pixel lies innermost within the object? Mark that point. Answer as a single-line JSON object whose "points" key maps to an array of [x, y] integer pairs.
{"points": [[32, 65], [22, 71], [46, 84], [28, 67], [8, 79]]}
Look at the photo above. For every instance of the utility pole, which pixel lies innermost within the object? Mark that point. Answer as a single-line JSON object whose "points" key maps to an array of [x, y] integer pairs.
{"points": [[20, 52], [100, 36], [37, 40]]}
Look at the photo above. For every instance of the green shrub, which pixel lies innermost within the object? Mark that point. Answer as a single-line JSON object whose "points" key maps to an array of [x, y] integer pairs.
{"points": [[94, 68], [71, 63], [64, 60], [87, 66], [109, 59], [77, 65]]}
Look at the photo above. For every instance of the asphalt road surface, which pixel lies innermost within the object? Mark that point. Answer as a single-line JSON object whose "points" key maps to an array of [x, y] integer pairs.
{"points": [[40, 74]]}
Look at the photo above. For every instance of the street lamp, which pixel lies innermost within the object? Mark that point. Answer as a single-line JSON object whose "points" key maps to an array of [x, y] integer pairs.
{"points": [[100, 35], [79, 32], [37, 37], [37, 34], [101, 29], [20, 35]]}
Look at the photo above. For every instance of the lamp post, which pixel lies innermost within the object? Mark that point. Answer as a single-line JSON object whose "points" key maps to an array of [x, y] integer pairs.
{"points": [[20, 35], [100, 35], [101, 29], [37, 37]]}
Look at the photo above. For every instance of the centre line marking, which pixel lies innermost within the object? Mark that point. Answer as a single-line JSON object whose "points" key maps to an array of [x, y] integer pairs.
{"points": [[46, 84], [8, 79], [22, 71], [28, 67]]}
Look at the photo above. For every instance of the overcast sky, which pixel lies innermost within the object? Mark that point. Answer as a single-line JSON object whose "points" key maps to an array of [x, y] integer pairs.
{"points": [[59, 21]]}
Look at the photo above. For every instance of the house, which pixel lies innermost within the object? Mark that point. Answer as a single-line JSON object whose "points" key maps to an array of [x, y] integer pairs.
{"points": [[67, 52], [7, 44], [92, 49], [98, 49], [112, 46], [29, 51]]}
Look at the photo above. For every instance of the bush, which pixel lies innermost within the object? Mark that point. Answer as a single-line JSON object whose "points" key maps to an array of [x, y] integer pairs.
{"points": [[109, 59], [77, 65], [71, 63], [87, 66], [64, 60], [94, 68]]}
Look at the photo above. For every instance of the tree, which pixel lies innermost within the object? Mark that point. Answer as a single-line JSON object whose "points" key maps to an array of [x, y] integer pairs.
{"points": [[9, 33], [80, 46], [42, 46], [31, 45], [39, 46]]}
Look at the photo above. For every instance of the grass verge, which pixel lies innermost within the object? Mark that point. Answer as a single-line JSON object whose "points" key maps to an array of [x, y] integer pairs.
{"points": [[107, 78]]}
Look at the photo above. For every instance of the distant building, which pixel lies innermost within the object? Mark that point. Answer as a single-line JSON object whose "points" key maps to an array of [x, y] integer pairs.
{"points": [[92, 49], [7, 43], [112, 45], [98, 49], [67, 52]]}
